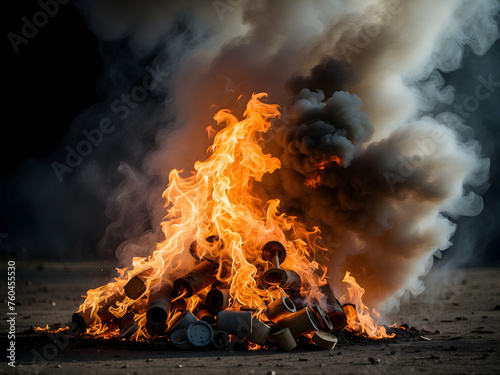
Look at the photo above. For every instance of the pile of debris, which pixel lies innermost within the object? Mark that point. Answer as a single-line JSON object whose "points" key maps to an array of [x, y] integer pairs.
{"points": [[213, 320]]}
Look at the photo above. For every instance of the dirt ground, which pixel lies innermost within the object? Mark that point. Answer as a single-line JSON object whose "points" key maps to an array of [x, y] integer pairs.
{"points": [[456, 331]]}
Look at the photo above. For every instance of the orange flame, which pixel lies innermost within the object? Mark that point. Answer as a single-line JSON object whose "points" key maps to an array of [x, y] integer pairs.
{"points": [[314, 180], [218, 200], [41, 329], [360, 319], [47, 329]]}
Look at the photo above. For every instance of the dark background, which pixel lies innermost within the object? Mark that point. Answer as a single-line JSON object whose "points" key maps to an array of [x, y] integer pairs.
{"points": [[54, 77]]}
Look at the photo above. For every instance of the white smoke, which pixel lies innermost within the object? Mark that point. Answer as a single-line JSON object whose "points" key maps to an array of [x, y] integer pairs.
{"points": [[361, 80]]}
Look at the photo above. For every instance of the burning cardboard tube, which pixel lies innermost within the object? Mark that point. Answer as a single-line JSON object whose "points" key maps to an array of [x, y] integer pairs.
{"points": [[198, 279], [235, 322], [217, 300], [300, 323], [129, 330], [159, 304], [274, 328], [333, 309], [284, 340], [260, 332], [292, 281], [286, 279], [184, 320], [324, 340], [83, 320], [280, 308], [135, 287], [274, 252], [220, 339], [206, 316], [323, 318]]}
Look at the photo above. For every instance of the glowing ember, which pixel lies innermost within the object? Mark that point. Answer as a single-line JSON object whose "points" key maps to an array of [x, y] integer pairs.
{"points": [[314, 180], [48, 330]]}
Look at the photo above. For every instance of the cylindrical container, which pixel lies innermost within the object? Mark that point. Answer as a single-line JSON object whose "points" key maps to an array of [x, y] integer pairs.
{"points": [[300, 323], [272, 277], [292, 281], [179, 339], [220, 339], [338, 319], [217, 300], [129, 330], [199, 334], [159, 304], [333, 308], [260, 332], [323, 319], [274, 328], [235, 322], [280, 308], [286, 279], [284, 340], [198, 279], [206, 316], [184, 320], [274, 252], [324, 340], [135, 287]]}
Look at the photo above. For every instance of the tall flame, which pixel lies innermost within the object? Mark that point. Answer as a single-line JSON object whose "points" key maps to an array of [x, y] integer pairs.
{"points": [[360, 319]]}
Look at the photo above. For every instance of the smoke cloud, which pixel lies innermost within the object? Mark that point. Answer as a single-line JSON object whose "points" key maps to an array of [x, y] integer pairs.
{"points": [[358, 80]]}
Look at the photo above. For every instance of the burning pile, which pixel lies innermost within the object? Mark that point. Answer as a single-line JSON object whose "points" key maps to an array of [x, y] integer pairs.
{"points": [[230, 264]]}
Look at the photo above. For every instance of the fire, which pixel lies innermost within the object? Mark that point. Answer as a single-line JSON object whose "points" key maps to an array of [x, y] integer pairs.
{"points": [[47, 329], [217, 207], [359, 317], [41, 329], [314, 180]]}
